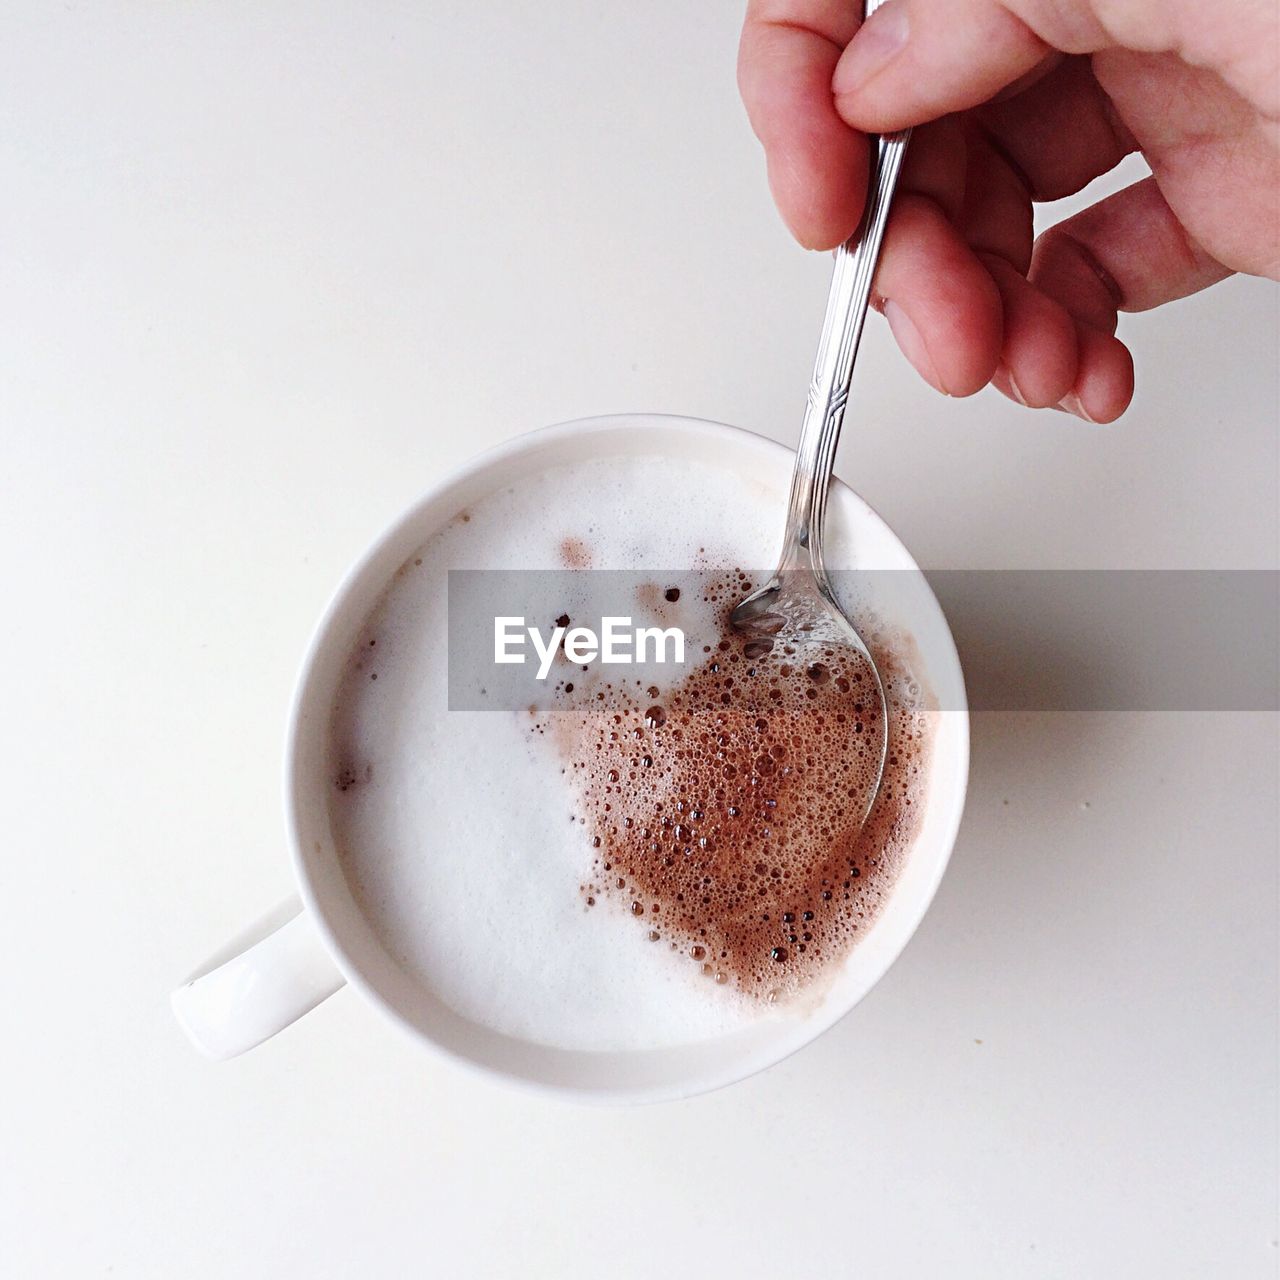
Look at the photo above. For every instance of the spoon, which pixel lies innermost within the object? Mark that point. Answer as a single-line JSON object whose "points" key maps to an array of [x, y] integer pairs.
{"points": [[797, 606]]}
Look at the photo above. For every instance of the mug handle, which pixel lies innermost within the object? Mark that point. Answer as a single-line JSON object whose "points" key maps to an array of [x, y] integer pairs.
{"points": [[260, 983]]}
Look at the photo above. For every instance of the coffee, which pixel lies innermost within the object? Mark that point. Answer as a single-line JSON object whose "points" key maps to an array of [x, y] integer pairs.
{"points": [[532, 869]]}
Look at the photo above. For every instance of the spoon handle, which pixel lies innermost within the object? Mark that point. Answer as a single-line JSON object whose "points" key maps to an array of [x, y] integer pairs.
{"points": [[838, 347]]}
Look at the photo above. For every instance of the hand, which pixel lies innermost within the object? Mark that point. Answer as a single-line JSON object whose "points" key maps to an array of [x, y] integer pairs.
{"points": [[1026, 100]]}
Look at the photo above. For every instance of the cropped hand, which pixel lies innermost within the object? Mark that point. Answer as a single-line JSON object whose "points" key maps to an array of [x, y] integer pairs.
{"points": [[1018, 101]]}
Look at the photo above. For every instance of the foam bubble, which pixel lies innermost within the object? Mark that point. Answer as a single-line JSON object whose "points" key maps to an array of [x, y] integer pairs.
{"points": [[728, 813]]}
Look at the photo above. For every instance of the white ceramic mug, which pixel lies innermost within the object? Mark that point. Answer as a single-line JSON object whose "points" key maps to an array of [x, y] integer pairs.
{"points": [[295, 959]]}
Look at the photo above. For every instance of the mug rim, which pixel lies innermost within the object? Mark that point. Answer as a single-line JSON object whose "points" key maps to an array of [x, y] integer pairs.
{"points": [[473, 467]]}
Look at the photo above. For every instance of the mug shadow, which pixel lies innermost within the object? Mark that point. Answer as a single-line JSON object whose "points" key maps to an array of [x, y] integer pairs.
{"points": [[1032, 760]]}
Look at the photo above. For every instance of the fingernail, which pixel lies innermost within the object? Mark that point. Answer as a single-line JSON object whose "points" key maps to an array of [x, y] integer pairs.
{"points": [[1073, 404], [1014, 389], [877, 43], [907, 336]]}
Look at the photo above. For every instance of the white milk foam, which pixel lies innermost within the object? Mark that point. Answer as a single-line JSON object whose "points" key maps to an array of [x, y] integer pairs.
{"points": [[454, 827]]}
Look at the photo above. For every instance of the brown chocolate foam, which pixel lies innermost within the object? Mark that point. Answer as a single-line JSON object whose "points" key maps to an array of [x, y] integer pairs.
{"points": [[725, 811]]}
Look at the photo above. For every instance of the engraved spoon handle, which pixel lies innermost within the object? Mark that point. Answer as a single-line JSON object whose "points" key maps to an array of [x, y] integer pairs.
{"points": [[838, 347]]}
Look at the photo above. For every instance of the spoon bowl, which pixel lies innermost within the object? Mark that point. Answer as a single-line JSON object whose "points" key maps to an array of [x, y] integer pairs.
{"points": [[794, 617]]}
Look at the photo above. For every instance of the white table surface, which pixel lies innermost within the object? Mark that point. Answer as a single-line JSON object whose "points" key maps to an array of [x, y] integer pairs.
{"points": [[265, 272]]}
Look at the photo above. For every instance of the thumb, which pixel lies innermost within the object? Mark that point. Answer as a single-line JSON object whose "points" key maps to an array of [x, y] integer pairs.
{"points": [[915, 60]]}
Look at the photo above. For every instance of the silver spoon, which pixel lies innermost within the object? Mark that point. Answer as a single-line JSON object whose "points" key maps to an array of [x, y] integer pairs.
{"points": [[797, 606]]}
